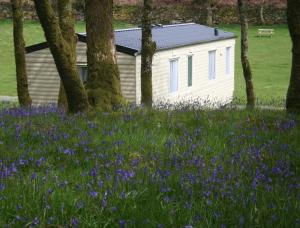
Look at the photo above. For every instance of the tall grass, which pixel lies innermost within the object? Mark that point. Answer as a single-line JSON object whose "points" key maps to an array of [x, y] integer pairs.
{"points": [[139, 168]]}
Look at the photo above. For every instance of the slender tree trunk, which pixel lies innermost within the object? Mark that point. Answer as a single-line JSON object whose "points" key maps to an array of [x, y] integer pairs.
{"points": [[19, 44], [242, 4], [148, 50], [63, 56], [261, 14], [293, 95], [66, 22], [103, 83], [209, 16]]}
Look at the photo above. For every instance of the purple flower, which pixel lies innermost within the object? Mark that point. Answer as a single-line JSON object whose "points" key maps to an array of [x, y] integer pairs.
{"points": [[33, 176], [40, 161], [93, 194], [69, 151], [100, 183], [122, 223], [2, 187], [35, 222], [74, 222], [93, 172]]}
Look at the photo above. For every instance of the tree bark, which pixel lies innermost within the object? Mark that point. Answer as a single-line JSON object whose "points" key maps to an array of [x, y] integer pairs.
{"points": [[209, 16], [148, 50], [66, 22], [261, 14], [63, 57], [19, 44], [242, 5], [103, 83], [293, 95]]}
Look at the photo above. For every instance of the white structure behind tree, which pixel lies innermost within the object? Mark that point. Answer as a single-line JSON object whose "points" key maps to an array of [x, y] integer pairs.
{"points": [[191, 63]]}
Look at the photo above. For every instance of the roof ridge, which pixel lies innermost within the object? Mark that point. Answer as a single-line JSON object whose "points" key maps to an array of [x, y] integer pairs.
{"points": [[163, 26]]}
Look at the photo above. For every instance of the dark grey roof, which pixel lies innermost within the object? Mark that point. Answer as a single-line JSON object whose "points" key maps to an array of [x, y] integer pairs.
{"points": [[171, 36], [166, 37]]}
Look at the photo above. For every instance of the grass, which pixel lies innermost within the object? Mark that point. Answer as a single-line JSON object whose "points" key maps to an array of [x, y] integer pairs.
{"points": [[33, 34], [138, 168], [270, 60]]}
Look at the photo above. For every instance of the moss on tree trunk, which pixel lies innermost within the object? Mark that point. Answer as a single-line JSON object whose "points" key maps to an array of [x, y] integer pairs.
{"points": [[293, 95], [242, 5], [148, 50], [19, 44], [103, 83], [66, 22], [63, 56]]}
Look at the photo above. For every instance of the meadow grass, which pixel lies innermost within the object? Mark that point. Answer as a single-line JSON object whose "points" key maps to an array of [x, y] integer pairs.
{"points": [[139, 168], [33, 34]]}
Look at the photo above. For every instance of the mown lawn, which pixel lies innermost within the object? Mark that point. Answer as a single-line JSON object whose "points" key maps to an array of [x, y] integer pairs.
{"points": [[137, 168], [270, 59], [33, 34]]}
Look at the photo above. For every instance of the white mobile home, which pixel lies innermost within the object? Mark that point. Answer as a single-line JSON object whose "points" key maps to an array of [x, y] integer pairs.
{"points": [[192, 62]]}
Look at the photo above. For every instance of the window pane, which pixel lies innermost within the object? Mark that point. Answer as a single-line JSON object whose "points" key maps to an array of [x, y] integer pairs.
{"points": [[82, 71], [173, 75], [190, 70], [228, 60], [212, 65]]}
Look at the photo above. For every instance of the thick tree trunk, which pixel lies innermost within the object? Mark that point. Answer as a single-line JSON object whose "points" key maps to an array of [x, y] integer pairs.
{"points": [[19, 44], [63, 56], [103, 83], [66, 22], [242, 5], [293, 95], [148, 50]]}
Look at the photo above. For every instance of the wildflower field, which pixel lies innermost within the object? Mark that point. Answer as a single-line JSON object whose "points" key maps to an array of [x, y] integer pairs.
{"points": [[139, 168]]}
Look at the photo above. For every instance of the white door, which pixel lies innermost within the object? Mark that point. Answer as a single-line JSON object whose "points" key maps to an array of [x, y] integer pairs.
{"points": [[174, 75]]}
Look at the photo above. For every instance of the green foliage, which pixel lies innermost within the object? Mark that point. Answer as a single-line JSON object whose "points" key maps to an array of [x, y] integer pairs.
{"points": [[149, 168]]}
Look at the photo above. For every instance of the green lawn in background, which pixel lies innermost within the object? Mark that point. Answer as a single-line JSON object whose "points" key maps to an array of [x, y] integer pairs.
{"points": [[270, 59], [33, 34]]}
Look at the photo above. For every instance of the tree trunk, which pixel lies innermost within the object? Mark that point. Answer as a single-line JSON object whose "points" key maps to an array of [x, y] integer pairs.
{"points": [[209, 18], [148, 50], [19, 44], [66, 22], [103, 83], [261, 14], [63, 56], [242, 4], [293, 95]]}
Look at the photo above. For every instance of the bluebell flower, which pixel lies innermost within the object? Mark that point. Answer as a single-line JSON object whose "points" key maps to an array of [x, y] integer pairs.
{"points": [[93, 194]]}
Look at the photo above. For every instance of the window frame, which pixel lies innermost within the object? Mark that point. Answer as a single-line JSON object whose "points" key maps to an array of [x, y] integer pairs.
{"points": [[79, 67], [214, 76], [190, 71], [228, 59], [170, 75]]}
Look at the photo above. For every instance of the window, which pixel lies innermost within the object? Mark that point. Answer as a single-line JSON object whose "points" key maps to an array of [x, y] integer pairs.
{"points": [[228, 60], [190, 71], [212, 65], [83, 73], [174, 75]]}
